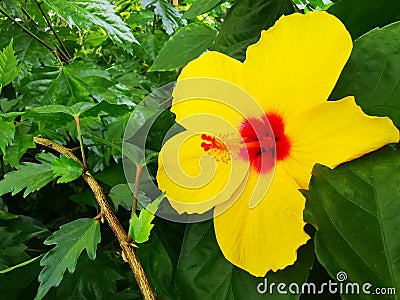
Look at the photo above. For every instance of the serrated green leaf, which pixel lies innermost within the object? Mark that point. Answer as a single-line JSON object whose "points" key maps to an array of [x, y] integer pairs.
{"points": [[355, 210], [92, 279], [31, 176], [8, 65], [7, 130], [67, 168], [90, 13], [200, 7], [190, 41], [244, 22], [360, 16], [122, 194], [140, 227], [71, 239], [372, 73], [204, 273]]}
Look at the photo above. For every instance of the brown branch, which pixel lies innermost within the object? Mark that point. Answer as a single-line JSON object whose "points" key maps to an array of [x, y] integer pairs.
{"points": [[26, 30], [62, 49], [139, 169], [112, 220]]}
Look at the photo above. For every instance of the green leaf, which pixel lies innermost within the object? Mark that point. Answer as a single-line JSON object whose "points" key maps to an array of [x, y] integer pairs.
{"points": [[189, 41], [372, 73], [140, 227], [168, 13], [360, 16], [131, 151], [67, 168], [244, 22], [29, 175], [29, 52], [122, 194], [8, 65], [21, 278], [355, 211], [92, 279], [71, 239], [74, 110], [14, 152], [7, 130], [12, 249], [77, 82], [204, 273], [86, 197], [90, 13], [20, 265], [26, 228], [200, 7], [5, 215], [158, 267]]}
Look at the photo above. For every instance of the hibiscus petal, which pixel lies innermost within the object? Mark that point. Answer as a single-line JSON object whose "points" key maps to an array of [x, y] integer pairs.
{"points": [[267, 236], [213, 85], [297, 62], [193, 180], [332, 133]]}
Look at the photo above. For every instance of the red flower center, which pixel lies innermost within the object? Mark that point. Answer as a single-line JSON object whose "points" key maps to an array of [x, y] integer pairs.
{"points": [[259, 141]]}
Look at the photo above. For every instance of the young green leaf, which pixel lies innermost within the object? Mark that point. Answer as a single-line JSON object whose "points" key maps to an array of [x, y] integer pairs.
{"points": [[189, 41], [354, 208], [71, 239], [140, 227], [86, 14], [8, 65], [67, 168], [31, 176]]}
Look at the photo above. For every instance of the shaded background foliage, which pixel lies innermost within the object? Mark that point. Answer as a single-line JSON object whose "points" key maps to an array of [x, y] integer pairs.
{"points": [[98, 59]]}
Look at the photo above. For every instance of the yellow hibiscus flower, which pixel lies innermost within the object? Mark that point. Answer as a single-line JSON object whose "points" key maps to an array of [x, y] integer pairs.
{"points": [[227, 157]]}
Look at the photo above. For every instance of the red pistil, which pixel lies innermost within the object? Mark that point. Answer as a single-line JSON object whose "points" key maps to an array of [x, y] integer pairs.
{"points": [[215, 147], [214, 143], [259, 137]]}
